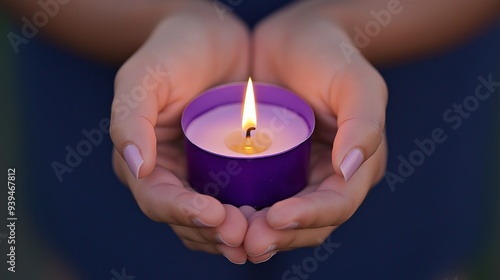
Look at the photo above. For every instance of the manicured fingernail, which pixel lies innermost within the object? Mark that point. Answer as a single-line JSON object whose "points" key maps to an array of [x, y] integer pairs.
{"points": [[268, 250], [133, 158], [247, 211], [201, 223], [220, 240], [351, 163], [238, 263], [268, 258], [289, 226]]}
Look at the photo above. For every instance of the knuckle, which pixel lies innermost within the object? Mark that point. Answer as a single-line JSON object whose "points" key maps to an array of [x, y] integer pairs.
{"points": [[190, 245], [376, 128], [124, 70], [114, 122], [114, 133], [322, 236], [349, 207], [147, 209]]}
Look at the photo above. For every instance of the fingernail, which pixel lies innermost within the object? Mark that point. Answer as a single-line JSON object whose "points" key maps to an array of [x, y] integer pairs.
{"points": [[247, 211], [220, 240], [351, 163], [133, 158], [238, 263], [268, 258], [288, 226], [201, 223], [268, 250]]}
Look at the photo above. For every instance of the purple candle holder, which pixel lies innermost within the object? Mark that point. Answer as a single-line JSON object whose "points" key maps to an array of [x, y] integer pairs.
{"points": [[255, 180]]}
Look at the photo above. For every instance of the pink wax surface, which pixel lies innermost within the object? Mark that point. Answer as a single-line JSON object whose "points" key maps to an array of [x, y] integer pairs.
{"points": [[286, 128]]}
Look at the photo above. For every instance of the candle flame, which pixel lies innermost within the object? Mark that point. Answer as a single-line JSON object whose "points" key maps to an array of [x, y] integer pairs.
{"points": [[244, 143], [249, 117]]}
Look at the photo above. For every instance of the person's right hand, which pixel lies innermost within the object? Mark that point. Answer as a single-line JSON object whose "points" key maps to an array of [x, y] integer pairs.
{"points": [[192, 48]]}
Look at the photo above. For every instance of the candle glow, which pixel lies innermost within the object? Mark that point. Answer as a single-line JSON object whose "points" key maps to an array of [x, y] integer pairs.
{"points": [[246, 143]]}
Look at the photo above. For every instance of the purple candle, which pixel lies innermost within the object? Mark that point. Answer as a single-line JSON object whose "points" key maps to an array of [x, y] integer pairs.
{"points": [[256, 157]]}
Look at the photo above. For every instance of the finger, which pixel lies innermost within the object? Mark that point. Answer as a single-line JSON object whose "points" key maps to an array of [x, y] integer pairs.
{"points": [[165, 202], [332, 203], [134, 115], [235, 255], [263, 258], [262, 241], [359, 98], [163, 198], [247, 211], [231, 232]]}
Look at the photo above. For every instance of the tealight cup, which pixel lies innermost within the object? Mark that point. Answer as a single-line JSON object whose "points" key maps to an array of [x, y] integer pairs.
{"points": [[258, 180]]}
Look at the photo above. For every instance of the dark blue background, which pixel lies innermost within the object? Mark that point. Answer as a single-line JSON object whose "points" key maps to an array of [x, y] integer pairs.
{"points": [[430, 226]]}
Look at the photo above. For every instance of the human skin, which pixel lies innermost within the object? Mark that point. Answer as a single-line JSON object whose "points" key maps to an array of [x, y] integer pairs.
{"points": [[298, 48]]}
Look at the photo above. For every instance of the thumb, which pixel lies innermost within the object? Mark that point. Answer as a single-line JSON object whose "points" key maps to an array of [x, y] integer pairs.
{"points": [[133, 116], [360, 104]]}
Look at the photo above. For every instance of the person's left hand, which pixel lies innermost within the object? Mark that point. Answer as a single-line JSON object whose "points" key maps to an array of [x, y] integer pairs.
{"points": [[298, 48]]}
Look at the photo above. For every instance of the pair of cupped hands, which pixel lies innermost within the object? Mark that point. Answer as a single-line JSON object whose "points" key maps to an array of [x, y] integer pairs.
{"points": [[196, 47]]}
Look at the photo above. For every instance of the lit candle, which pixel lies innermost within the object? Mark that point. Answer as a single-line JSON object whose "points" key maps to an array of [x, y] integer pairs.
{"points": [[242, 141], [252, 150]]}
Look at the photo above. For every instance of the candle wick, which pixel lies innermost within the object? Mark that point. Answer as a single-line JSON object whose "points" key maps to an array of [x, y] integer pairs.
{"points": [[248, 131]]}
